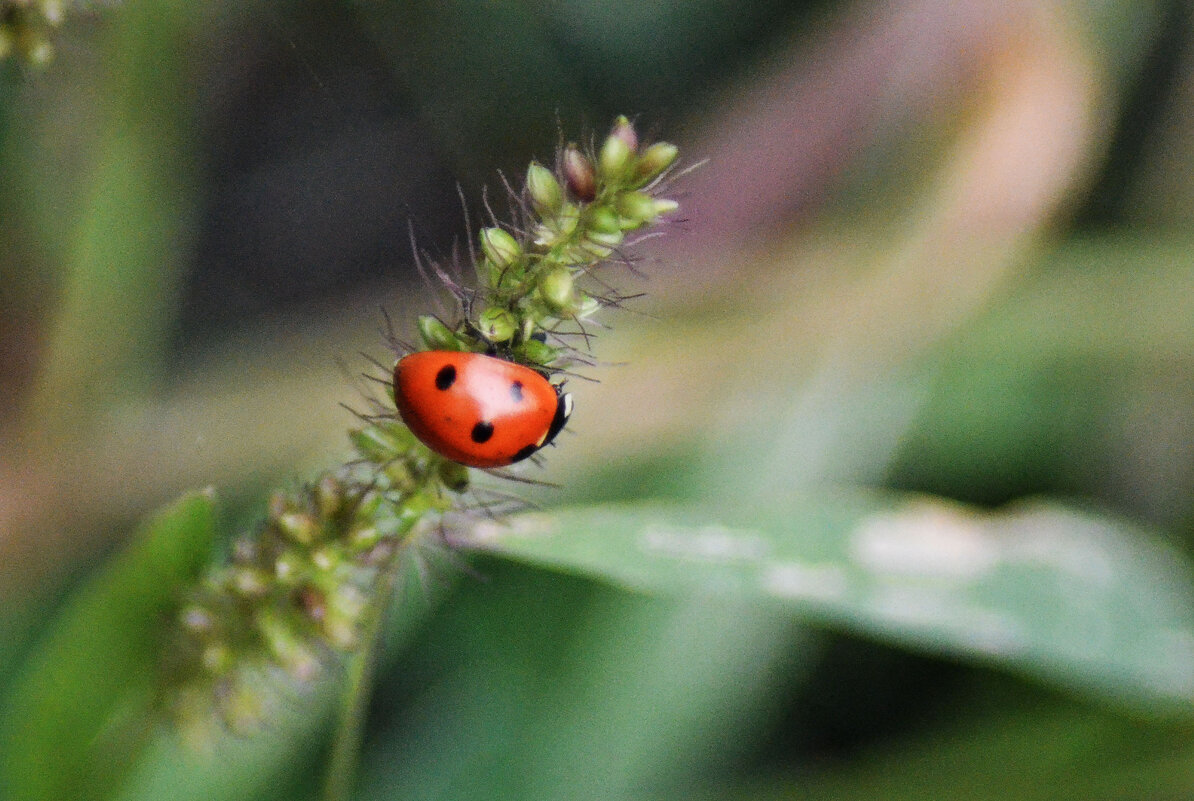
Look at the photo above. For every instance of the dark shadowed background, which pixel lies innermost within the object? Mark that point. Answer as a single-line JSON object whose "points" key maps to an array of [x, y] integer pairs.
{"points": [[934, 246]]}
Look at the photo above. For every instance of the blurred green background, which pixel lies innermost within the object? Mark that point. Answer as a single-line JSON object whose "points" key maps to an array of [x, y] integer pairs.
{"points": [[938, 259]]}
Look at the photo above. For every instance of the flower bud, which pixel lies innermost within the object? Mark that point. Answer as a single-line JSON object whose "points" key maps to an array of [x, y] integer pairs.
{"points": [[532, 351], [636, 208], [329, 496], [500, 247], [344, 609], [287, 648], [363, 538], [604, 220], [589, 305], [592, 249], [558, 227], [288, 567], [567, 219], [558, 289], [579, 174], [497, 324], [382, 442], [654, 160], [325, 559], [243, 707], [436, 335], [248, 582], [453, 475], [665, 206], [610, 240], [298, 527], [614, 158], [544, 190], [623, 129]]}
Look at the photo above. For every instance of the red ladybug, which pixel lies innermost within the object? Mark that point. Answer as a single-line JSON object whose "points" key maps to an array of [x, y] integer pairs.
{"points": [[478, 410]]}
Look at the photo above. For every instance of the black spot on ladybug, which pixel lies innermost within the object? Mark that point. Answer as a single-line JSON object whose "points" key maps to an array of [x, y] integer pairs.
{"points": [[446, 377], [482, 432], [524, 453], [516, 391]]}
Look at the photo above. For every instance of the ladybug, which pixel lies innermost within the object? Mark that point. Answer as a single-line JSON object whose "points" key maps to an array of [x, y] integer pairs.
{"points": [[475, 409]]}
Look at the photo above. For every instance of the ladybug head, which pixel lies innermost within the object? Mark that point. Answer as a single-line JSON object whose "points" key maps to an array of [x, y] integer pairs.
{"points": [[563, 412]]}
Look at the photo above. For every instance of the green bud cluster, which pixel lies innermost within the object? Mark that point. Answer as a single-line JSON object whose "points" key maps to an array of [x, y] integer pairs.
{"points": [[306, 590], [578, 215], [302, 589], [26, 27]]}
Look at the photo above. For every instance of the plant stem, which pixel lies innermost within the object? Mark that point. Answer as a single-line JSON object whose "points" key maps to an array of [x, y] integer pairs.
{"points": [[360, 668]]}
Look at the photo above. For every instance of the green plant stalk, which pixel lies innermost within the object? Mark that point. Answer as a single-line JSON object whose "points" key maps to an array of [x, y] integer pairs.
{"points": [[309, 589], [361, 668]]}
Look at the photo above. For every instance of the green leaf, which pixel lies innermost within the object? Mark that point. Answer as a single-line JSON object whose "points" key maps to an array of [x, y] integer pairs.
{"points": [[1077, 383], [77, 716], [533, 686], [1045, 751], [283, 760], [1066, 595]]}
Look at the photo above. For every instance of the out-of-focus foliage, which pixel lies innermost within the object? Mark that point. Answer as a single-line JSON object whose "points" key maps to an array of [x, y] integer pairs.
{"points": [[940, 250], [59, 737]]}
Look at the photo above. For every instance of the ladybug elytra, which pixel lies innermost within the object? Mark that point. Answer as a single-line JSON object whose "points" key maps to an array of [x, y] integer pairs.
{"points": [[478, 410]]}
